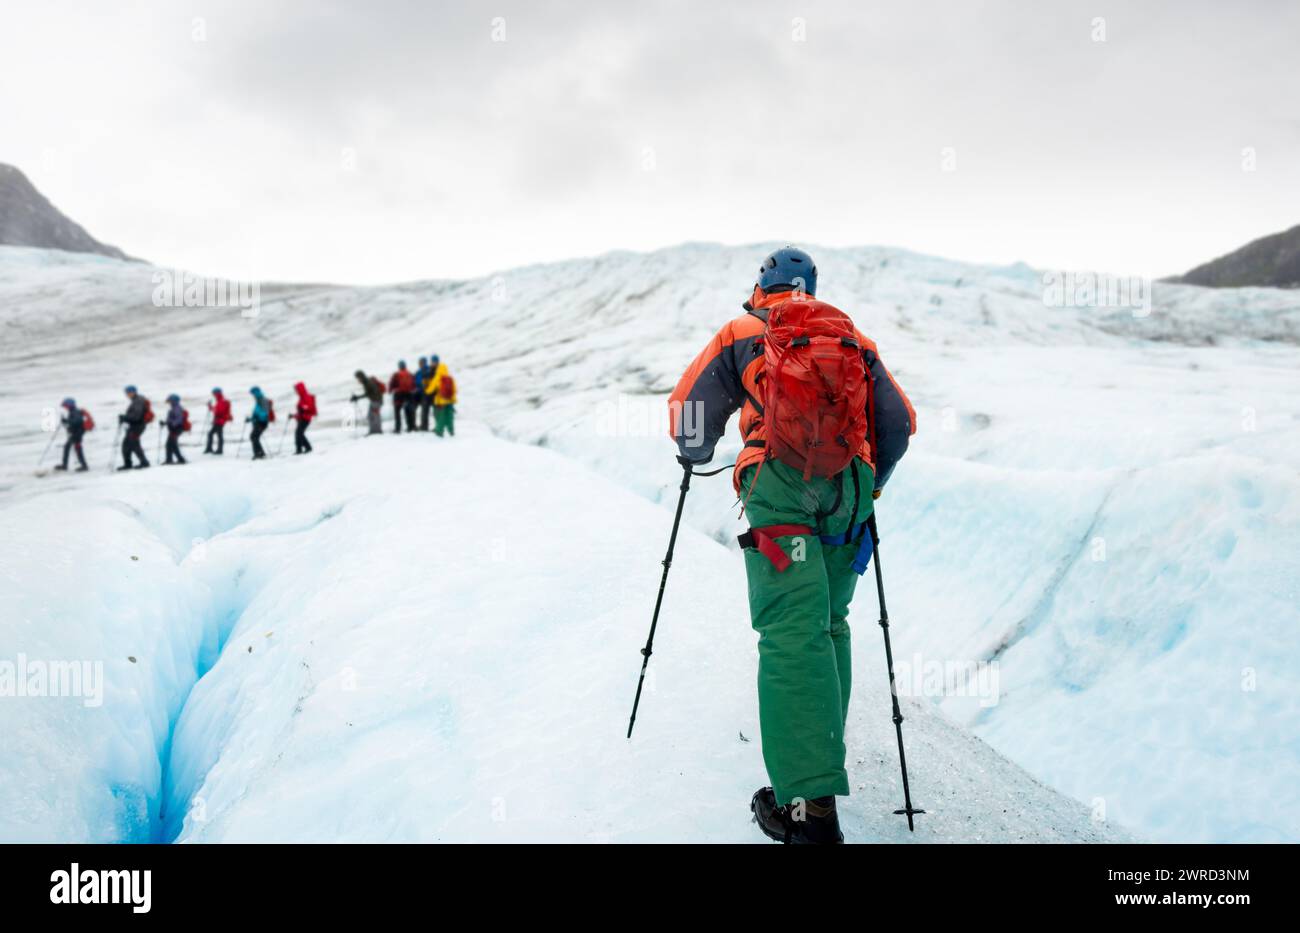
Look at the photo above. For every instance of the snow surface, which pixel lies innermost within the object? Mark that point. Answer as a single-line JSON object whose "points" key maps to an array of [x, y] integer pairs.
{"points": [[316, 659], [1108, 507]]}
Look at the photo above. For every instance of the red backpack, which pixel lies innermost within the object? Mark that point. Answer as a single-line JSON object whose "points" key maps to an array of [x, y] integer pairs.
{"points": [[814, 387], [447, 387], [185, 423], [87, 422], [379, 384], [148, 411], [270, 409]]}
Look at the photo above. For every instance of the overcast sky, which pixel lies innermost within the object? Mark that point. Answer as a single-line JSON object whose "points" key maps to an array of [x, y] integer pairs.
{"points": [[379, 141]]}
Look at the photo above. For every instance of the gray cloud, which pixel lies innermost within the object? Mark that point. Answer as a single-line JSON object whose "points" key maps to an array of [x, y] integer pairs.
{"points": [[386, 140]]}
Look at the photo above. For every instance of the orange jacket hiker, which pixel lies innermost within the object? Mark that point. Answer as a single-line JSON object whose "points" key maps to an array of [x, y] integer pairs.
{"points": [[725, 377]]}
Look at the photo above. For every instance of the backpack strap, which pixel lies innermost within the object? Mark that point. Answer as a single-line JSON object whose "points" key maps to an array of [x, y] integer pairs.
{"points": [[852, 532], [764, 539], [871, 412], [859, 532]]}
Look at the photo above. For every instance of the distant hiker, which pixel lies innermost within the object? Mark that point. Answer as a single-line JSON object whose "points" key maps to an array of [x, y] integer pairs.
{"points": [[263, 414], [402, 385], [75, 424], [372, 390], [423, 400], [444, 403], [221, 416], [178, 421], [305, 413], [437, 369], [824, 424], [139, 414]]}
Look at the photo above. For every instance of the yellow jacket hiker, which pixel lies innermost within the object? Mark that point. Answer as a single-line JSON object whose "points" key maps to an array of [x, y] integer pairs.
{"points": [[431, 383], [443, 389]]}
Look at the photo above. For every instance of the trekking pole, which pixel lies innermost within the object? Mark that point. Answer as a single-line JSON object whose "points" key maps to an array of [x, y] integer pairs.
{"points": [[48, 445], [908, 809], [112, 454], [283, 433], [158, 451], [356, 419], [687, 473], [241, 438]]}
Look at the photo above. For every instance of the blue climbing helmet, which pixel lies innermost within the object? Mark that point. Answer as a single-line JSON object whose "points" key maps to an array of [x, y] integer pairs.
{"points": [[129, 390], [69, 403], [786, 270], [256, 391], [424, 361], [433, 360], [401, 364], [216, 390], [174, 398]]}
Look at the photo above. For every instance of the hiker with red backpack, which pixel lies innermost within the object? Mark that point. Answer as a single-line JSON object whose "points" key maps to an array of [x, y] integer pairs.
{"points": [[824, 424], [221, 416], [372, 390], [76, 422], [178, 422], [138, 416], [303, 416], [261, 418], [402, 385], [444, 402]]}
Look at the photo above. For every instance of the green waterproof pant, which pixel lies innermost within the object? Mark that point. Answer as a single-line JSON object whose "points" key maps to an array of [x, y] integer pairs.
{"points": [[801, 616], [444, 420]]}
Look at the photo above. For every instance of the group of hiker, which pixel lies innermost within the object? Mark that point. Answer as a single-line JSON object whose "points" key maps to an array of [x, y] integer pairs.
{"points": [[430, 387], [139, 415], [414, 393]]}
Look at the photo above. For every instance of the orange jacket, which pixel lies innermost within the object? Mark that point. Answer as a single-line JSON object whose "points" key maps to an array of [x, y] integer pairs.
{"points": [[724, 378]]}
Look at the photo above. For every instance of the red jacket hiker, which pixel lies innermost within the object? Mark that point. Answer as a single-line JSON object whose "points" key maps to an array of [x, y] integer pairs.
{"points": [[220, 409], [305, 413], [221, 416], [306, 404], [402, 385], [403, 381]]}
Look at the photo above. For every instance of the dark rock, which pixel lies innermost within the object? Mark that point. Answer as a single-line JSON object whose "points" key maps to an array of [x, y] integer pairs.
{"points": [[1271, 262], [27, 218]]}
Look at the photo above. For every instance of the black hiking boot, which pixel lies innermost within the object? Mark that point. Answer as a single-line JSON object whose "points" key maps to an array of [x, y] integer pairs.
{"points": [[814, 822], [83, 468], [63, 466]]}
